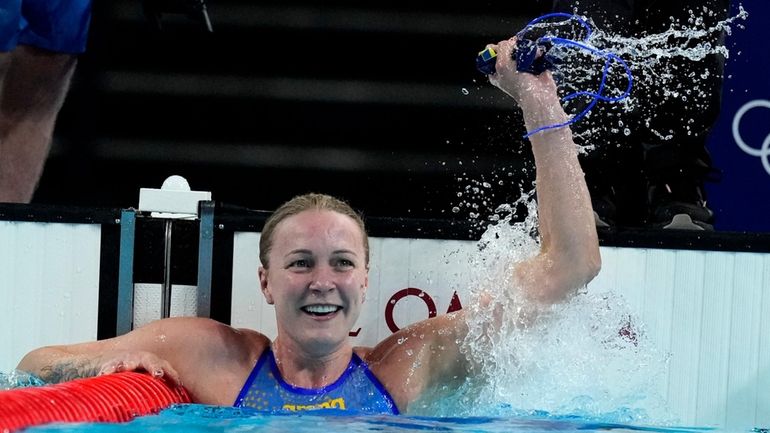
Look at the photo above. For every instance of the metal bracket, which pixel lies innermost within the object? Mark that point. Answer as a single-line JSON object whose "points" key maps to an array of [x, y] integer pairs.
{"points": [[205, 257], [125, 313]]}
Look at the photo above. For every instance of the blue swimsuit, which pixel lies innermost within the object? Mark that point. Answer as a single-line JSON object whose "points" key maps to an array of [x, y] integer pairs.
{"points": [[357, 391]]}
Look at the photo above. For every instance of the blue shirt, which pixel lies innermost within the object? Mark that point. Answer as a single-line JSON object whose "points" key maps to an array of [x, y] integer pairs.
{"points": [[357, 391]]}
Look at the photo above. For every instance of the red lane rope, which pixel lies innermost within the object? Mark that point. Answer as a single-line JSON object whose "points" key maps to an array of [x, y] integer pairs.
{"points": [[110, 398]]}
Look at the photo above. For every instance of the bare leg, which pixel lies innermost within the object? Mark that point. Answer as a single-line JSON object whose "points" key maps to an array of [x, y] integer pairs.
{"points": [[33, 89], [5, 61]]}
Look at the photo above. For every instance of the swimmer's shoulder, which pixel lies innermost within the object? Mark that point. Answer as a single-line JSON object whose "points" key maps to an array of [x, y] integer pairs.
{"points": [[205, 334], [206, 346], [430, 334], [363, 352], [413, 359]]}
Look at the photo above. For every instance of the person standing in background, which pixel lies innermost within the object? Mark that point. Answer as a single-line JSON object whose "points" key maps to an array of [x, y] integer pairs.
{"points": [[39, 44], [654, 176]]}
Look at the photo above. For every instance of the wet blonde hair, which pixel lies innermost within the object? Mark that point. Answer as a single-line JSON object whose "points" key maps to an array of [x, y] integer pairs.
{"points": [[300, 204]]}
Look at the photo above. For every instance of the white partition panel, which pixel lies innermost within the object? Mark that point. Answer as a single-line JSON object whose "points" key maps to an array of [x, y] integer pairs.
{"points": [[710, 311], [249, 309], [745, 331], [49, 286], [714, 354]]}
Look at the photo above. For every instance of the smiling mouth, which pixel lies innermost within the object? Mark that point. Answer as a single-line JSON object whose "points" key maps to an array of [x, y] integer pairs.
{"points": [[321, 310]]}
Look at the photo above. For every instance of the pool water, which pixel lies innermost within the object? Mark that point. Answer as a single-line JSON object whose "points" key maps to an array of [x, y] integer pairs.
{"points": [[18, 379], [217, 419]]}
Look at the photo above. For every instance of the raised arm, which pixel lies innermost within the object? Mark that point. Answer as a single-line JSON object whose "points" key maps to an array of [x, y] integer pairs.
{"points": [[569, 252], [427, 354]]}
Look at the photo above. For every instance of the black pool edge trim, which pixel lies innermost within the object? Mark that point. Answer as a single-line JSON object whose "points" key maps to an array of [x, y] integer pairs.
{"points": [[44, 213], [416, 228], [237, 219]]}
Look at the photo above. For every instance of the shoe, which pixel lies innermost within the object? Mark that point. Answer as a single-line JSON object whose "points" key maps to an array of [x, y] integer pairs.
{"points": [[681, 207], [683, 221], [600, 223], [675, 175], [604, 211]]}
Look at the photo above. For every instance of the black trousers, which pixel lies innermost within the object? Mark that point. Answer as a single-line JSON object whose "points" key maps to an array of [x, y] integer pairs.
{"points": [[622, 167]]}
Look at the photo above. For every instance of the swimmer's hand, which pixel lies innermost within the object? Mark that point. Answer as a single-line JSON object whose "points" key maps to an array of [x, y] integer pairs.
{"points": [[535, 94], [140, 361], [524, 87]]}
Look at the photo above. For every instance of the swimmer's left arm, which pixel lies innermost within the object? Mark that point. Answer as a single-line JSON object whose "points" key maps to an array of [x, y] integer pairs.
{"points": [[569, 254], [428, 354]]}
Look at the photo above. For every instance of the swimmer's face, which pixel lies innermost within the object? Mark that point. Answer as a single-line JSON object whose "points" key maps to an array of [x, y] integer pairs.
{"points": [[316, 279]]}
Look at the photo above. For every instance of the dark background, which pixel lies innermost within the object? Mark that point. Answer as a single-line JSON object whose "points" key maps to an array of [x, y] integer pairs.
{"points": [[377, 103]]}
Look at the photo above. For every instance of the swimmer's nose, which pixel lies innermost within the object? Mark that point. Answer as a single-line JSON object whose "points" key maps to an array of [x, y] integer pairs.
{"points": [[323, 280], [322, 286]]}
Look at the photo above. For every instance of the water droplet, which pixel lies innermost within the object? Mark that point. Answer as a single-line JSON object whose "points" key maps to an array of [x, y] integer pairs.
{"points": [[465, 91]]}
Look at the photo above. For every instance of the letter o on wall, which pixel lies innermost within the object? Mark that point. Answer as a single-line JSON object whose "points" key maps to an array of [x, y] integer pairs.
{"points": [[401, 294]]}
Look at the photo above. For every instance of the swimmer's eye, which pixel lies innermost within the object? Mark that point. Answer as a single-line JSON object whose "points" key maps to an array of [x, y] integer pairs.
{"points": [[345, 263], [299, 263]]}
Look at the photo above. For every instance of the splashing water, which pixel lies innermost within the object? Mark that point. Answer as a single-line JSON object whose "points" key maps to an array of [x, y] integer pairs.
{"points": [[671, 68], [673, 72], [587, 357], [590, 356]]}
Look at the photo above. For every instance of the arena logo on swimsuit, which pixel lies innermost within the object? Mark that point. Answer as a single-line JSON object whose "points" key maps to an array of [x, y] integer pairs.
{"points": [[337, 403]]}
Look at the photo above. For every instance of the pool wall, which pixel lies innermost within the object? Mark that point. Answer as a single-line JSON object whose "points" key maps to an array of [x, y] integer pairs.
{"points": [[49, 286], [709, 309]]}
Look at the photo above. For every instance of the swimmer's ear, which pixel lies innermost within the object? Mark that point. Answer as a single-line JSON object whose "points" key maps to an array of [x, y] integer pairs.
{"points": [[263, 285]]}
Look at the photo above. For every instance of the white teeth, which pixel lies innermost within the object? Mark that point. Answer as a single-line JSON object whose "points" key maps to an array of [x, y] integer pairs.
{"points": [[321, 309]]}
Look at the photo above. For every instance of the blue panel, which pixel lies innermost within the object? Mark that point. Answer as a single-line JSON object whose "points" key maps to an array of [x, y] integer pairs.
{"points": [[741, 200]]}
